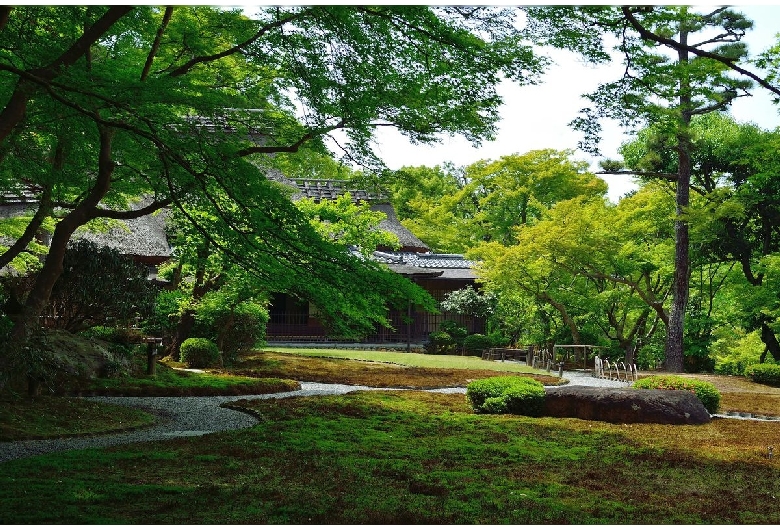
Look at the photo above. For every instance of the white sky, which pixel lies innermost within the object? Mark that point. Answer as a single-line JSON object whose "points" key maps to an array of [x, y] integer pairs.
{"points": [[537, 117]]}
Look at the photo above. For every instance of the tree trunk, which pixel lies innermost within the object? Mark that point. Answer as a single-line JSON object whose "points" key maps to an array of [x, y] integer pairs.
{"points": [[567, 319], [27, 321], [183, 331], [770, 340], [675, 330], [52, 266], [201, 287]]}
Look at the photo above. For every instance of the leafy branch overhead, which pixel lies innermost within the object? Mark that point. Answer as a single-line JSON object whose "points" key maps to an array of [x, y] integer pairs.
{"points": [[102, 105]]}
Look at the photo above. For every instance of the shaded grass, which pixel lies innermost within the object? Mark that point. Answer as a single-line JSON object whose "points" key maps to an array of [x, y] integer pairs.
{"points": [[54, 417], [168, 381], [756, 403], [59, 416], [409, 457]]}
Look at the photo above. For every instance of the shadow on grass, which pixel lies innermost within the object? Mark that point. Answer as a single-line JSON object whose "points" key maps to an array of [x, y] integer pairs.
{"points": [[408, 457]]}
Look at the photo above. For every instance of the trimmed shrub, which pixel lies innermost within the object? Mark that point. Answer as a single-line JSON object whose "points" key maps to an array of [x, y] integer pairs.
{"points": [[506, 394], [440, 343], [455, 330], [199, 353], [476, 343], [241, 330], [766, 374], [706, 392]]}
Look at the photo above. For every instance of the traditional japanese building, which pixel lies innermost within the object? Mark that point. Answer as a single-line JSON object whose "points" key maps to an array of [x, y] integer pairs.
{"points": [[439, 274]]}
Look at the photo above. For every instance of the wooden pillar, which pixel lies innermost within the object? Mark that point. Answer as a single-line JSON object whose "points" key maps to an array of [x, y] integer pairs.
{"points": [[151, 353]]}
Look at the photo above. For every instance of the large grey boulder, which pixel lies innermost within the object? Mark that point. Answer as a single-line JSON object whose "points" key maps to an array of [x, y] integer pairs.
{"points": [[625, 405]]}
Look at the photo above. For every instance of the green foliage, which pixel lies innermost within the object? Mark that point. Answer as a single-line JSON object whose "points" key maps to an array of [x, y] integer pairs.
{"points": [[167, 310], [234, 328], [98, 286], [198, 352], [348, 223], [455, 210], [469, 301], [440, 343], [6, 324], [651, 356], [735, 350], [447, 340], [193, 101], [13, 228], [506, 394], [766, 374], [475, 344], [56, 361], [517, 190], [457, 331], [585, 267], [118, 335], [706, 392]]}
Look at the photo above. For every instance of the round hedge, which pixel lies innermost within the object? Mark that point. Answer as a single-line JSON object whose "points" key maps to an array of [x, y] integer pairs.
{"points": [[507, 394], [199, 353], [706, 392], [765, 374]]}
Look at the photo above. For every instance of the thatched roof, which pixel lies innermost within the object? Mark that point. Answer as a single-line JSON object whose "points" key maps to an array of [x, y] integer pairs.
{"points": [[409, 242], [326, 189], [143, 238]]}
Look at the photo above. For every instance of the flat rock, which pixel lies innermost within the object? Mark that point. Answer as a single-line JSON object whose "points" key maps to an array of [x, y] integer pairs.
{"points": [[625, 405]]}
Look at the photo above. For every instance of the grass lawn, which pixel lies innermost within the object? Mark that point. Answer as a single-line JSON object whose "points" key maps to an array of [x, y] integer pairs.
{"points": [[397, 457], [409, 457], [52, 417], [379, 369], [168, 381], [419, 360]]}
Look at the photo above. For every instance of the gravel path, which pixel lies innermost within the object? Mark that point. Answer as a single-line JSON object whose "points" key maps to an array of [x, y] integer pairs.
{"points": [[195, 416]]}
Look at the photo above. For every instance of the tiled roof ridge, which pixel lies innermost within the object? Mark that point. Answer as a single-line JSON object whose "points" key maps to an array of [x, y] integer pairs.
{"points": [[426, 260], [323, 188]]}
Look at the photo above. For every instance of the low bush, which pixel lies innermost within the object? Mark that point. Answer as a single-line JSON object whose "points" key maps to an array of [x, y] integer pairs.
{"points": [[235, 327], [116, 335], [240, 330], [199, 353], [506, 394], [455, 330], [476, 343], [706, 392], [440, 343], [766, 374]]}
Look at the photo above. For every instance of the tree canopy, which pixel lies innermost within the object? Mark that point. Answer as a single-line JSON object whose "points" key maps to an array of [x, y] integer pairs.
{"points": [[455, 209], [101, 105]]}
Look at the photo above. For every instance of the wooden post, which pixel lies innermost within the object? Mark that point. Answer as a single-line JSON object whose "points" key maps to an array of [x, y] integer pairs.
{"points": [[151, 352], [409, 326]]}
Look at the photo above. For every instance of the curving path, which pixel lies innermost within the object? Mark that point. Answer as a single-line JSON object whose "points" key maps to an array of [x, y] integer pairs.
{"points": [[195, 416]]}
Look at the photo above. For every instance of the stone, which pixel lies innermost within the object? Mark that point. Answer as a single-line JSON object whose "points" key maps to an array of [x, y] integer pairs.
{"points": [[625, 405]]}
